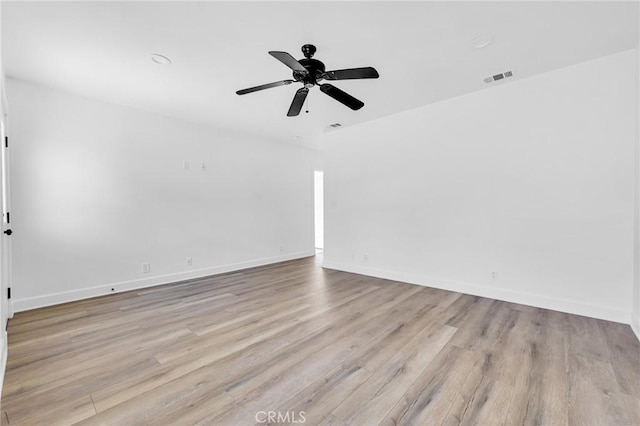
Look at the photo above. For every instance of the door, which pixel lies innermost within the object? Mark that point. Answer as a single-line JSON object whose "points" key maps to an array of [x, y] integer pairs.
{"points": [[5, 239]]}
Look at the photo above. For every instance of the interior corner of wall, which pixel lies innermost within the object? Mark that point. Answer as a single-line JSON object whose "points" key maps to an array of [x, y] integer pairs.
{"points": [[635, 323]]}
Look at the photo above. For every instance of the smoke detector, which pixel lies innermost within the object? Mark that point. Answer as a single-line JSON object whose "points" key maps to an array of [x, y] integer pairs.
{"points": [[497, 77]]}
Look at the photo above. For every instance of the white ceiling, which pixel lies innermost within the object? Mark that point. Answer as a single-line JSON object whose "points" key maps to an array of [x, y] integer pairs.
{"points": [[422, 51]]}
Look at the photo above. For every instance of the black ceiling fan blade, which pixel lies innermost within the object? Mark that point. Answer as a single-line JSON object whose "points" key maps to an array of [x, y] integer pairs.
{"points": [[298, 101], [264, 86], [288, 60], [351, 74], [342, 97]]}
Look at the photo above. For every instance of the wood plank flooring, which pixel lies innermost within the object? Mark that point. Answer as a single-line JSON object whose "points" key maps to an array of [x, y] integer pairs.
{"points": [[317, 345]]}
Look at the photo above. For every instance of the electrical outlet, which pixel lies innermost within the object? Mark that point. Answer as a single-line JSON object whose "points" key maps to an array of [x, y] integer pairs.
{"points": [[203, 166], [189, 261], [146, 268], [185, 165], [365, 257], [494, 275]]}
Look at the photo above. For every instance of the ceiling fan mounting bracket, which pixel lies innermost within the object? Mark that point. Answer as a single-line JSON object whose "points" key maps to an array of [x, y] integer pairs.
{"points": [[308, 50]]}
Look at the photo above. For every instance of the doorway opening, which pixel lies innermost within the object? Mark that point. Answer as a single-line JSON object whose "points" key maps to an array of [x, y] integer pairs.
{"points": [[318, 193]]}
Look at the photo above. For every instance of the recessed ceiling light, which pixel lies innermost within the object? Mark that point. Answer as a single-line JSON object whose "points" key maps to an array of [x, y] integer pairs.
{"points": [[482, 41], [160, 59]]}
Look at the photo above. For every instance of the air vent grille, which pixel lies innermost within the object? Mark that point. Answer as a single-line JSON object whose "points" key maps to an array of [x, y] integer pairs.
{"points": [[497, 77]]}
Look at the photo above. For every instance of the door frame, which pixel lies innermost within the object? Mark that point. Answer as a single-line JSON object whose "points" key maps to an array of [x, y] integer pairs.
{"points": [[6, 309]]}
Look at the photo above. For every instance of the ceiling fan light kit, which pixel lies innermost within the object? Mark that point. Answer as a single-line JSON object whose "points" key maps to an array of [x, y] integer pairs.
{"points": [[310, 72]]}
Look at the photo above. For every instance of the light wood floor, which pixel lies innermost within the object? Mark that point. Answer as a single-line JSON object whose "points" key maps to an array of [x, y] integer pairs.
{"points": [[342, 348]]}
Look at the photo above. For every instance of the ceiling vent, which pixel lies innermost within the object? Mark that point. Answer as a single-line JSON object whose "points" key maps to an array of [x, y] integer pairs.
{"points": [[497, 77], [335, 125]]}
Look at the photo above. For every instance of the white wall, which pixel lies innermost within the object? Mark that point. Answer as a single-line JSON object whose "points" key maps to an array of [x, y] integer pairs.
{"points": [[635, 317], [531, 179], [99, 189]]}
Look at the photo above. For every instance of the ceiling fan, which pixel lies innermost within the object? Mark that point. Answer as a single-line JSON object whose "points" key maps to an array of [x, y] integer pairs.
{"points": [[309, 72]]}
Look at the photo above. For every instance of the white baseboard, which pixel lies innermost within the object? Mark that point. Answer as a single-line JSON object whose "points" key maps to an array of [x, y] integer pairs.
{"points": [[635, 323], [19, 305], [539, 301]]}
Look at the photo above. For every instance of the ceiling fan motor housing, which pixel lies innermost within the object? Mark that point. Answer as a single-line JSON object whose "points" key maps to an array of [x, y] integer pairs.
{"points": [[314, 68]]}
